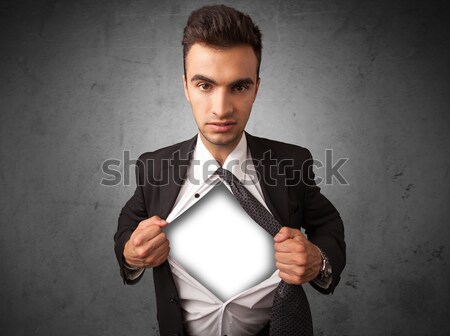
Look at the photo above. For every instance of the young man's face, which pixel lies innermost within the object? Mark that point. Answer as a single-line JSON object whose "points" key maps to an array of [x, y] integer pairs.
{"points": [[221, 86]]}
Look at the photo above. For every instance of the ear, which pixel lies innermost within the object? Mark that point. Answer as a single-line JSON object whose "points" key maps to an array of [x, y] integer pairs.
{"points": [[186, 92]]}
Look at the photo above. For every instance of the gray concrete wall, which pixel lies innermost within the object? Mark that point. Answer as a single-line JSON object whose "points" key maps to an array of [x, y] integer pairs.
{"points": [[84, 81]]}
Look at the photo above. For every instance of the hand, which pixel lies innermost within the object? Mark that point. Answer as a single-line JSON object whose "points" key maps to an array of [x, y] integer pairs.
{"points": [[148, 245], [298, 260]]}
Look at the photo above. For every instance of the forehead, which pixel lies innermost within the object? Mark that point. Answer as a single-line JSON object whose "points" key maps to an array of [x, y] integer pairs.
{"points": [[236, 61]]}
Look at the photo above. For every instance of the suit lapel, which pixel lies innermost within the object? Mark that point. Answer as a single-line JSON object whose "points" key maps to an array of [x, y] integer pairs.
{"points": [[175, 169], [273, 184]]}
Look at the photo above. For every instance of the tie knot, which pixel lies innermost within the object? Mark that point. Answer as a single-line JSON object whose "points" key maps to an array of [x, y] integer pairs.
{"points": [[226, 175]]}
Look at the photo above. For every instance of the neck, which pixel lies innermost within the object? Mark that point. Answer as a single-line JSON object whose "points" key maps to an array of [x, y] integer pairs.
{"points": [[220, 152]]}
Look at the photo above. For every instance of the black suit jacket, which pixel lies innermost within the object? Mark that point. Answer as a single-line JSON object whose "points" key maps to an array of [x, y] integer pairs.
{"points": [[287, 183]]}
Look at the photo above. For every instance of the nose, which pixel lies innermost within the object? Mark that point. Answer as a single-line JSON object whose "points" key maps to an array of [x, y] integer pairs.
{"points": [[222, 103]]}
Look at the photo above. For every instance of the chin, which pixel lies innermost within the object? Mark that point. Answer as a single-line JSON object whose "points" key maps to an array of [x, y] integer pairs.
{"points": [[222, 139]]}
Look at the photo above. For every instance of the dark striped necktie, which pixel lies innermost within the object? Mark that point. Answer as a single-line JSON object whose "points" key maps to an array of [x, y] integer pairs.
{"points": [[290, 315]]}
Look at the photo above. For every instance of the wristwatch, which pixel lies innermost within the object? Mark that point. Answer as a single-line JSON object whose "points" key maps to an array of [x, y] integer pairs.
{"points": [[325, 275]]}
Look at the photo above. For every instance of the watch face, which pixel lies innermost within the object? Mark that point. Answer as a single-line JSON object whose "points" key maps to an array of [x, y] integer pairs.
{"points": [[327, 269]]}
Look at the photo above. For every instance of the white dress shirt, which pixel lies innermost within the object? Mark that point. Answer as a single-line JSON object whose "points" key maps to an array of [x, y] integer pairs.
{"points": [[204, 313]]}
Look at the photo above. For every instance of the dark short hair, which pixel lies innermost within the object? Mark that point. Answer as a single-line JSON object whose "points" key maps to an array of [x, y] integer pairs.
{"points": [[220, 26]]}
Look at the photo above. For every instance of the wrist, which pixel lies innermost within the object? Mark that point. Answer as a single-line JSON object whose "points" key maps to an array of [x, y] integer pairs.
{"points": [[129, 267], [326, 271], [125, 262]]}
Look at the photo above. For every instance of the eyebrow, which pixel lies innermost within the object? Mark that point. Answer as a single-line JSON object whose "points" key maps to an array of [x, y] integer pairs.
{"points": [[243, 81]]}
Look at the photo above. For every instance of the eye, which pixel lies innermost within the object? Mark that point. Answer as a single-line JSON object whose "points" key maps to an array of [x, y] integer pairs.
{"points": [[204, 86], [240, 88]]}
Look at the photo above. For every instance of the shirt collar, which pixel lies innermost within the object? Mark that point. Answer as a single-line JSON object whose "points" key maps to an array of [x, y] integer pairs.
{"points": [[205, 165]]}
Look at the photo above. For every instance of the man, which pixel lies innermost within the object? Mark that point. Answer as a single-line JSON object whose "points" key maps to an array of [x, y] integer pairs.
{"points": [[222, 56]]}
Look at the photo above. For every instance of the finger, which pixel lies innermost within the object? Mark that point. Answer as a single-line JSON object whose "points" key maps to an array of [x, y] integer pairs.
{"points": [[152, 244], [156, 242], [142, 236], [154, 220], [286, 233], [291, 258], [163, 257], [152, 259], [290, 246], [294, 271], [158, 256], [289, 279]]}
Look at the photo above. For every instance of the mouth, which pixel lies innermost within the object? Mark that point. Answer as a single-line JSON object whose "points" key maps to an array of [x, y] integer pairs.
{"points": [[222, 126], [222, 123]]}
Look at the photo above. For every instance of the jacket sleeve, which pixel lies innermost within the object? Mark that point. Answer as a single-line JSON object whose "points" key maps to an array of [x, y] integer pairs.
{"points": [[130, 216], [323, 225]]}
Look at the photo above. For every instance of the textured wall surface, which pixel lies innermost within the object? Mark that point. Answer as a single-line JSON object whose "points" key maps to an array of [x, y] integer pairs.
{"points": [[84, 81]]}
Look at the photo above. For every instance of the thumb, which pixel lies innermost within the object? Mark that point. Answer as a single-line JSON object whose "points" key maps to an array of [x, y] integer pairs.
{"points": [[154, 220], [161, 222], [284, 234]]}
